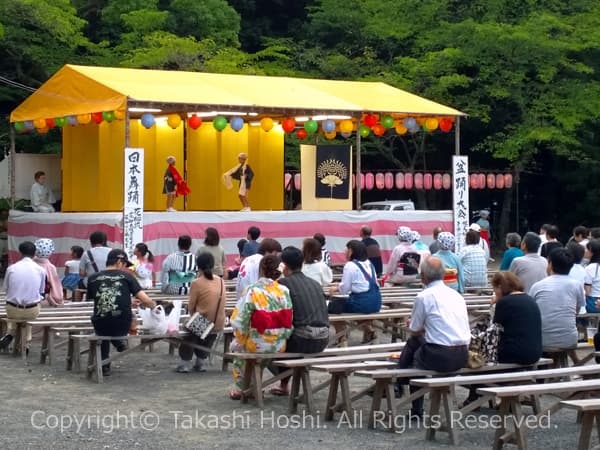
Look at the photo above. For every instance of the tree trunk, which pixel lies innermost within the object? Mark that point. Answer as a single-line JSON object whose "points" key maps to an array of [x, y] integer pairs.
{"points": [[506, 224]]}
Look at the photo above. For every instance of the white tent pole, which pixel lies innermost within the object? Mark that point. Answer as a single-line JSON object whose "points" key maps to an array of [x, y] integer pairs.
{"points": [[457, 136], [11, 164], [358, 166]]}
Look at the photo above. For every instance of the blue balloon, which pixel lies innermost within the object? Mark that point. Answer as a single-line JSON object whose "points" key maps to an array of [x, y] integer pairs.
{"points": [[72, 120], [148, 120], [409, 122], [328, 126], [29, 125], [236, 123]]}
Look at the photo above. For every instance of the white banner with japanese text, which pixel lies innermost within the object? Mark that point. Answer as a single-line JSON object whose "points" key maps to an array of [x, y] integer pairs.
{"points": [[133, 211], [460, 198]]}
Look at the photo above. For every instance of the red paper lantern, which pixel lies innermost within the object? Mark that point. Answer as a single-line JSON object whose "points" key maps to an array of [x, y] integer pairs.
{"points": [[388, 180], [491, 181], [353, 181], [378, 129], [369, 181], [399, 179], [508, 180], [379, 180], [446, 181], [297, 181], [499, 181], [445, 125], [437, 181], [427, 181], [288, 124], [97, 117], [50, 123], [481, 181], [194, 122], [418, 180], [301, 133], [287, 178], [362, 181], [474, 181], [408, 180], [370, 120]]}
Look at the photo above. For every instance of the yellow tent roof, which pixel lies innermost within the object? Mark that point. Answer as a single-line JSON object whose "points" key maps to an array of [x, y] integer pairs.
{"points": [[84, 89]]}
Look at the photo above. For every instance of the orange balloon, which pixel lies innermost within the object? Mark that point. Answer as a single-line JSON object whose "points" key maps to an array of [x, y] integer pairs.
{"points": [[84, 118], [39, 123], [330, 135]]}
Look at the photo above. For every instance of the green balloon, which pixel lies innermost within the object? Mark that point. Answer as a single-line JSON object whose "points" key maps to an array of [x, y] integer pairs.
{"points": [[311, 126], [109, 116], [19, 126], [387, 121], [219, 123], [364, 131], [60, 121]]}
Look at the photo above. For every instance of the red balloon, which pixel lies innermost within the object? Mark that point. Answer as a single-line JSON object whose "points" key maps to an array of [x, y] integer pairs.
{"points": [[437, 181], [408, 180], [97, 117], [427, 181], [288, 124], [418, 180], [474, 181], [491, 181], [50, 123], [388, 180], [399, 180], [499, 181], [369, 180], [370, 120], [508, 180], [301, 133], [194, 122], [446, 181], [445, 125], [379, 180], [378, 129]]}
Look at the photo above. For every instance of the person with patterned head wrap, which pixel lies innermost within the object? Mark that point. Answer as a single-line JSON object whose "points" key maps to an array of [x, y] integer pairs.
{"points": [[422, 248], [453, 276], [403, 266], [53, 292]]}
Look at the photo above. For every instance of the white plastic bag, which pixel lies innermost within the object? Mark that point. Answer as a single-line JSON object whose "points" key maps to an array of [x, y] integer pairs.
{"points": [[174, 317], [154, 321]]}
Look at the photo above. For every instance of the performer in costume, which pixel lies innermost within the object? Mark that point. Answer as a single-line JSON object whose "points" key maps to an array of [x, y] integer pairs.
{"points": [[244, 174], [174, 184]]}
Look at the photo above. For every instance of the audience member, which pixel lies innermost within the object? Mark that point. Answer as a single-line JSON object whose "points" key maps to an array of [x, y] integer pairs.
{"points": [[70, 281], [403, 266], [592, 277], [249, 272], [53, 293], [454, 274], [41, 196], [313, 266], [232, 271], [577, 271], [552, 241], [531, 267], [473, 261], [373, 250], [580, 235], [543, 238], [324, 253], [435, 245], [251, 245], [179, 269], [513, 244], [484, 225], [482, 242], [94, 259], [143, 266], [212, 246]]}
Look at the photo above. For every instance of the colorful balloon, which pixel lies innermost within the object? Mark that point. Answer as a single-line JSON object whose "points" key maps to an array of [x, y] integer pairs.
{"points": [[445, 124], [19, 126], [387, 121], [347, 134], [98, 119], [409, 123], [50, 123], [378, 129], [370, 120], [301, 133], [29, 125], [39, 123], [174, 120], [236, 123], [364, 131], [84, 119], [120, 114], [311, 126], [401, 129], [288, 124], [328, 126], [194, 122], [266, 123], [72, 120], [346, 126], [331, 135], [219, 123], [109, 116], [431, 124], [43, 130], [147, 120], [60, 121]]}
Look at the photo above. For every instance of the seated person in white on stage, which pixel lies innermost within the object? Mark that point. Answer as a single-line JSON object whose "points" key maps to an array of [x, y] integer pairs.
{"points": [[41, 196]]}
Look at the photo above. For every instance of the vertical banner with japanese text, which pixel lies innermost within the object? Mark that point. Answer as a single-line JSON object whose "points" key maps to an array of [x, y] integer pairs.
{"points": [[133, 211], [460, 198]]}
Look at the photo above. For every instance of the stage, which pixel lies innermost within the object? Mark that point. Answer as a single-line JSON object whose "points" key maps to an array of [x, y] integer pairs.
{"points": [[161, 229]]}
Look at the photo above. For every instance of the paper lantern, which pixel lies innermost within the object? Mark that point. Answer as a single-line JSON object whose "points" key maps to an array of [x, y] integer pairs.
{"points": [[401, 129], [481, 181], [174, 120], [499, 181], [236, 123], [473, 181], [39, 123], [378, 129], [379, 180], [84, 118], [418, 180], [219, 123], [147, 120], [109, 116], [431, 123], [389, 180], [491, 181], [50, 123], [387, 121], [362, 180], [120, 114], [266, 123], [288, 124], [60, 121], [98, 119], [370, 120], [508, 180], [311, 126], [446, 181], [353, 181], [346, 126], [364, 131], [408, 180], [437, 181], [301, 133], [445, 124], [331, 135], [194, 122], [287, 181], [369, 181], [297, 181], [427, 181], [328, 126], [399, 179]]}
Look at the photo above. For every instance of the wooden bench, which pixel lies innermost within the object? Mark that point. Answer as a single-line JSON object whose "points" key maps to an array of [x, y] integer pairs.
{"points": [[442, 391], [510, 406], [20, 338], [590, 411]]}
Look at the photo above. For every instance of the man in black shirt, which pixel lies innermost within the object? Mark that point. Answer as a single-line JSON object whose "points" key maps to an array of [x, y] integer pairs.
{"points": [[310, 316], [373, 250]]}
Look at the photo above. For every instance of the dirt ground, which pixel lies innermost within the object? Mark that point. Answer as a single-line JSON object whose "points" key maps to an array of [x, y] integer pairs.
{"points": [[146, 405]]}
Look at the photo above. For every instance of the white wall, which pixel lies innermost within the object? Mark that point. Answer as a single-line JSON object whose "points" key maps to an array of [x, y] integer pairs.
{"points": [[26, 164]]}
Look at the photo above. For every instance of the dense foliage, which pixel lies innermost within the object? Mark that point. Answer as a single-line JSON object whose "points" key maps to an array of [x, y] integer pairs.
{"points": [[526, 72]]}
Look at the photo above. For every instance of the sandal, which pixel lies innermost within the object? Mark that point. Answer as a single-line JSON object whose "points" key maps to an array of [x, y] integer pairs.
{"points": [[234, 394], [279, 391]]}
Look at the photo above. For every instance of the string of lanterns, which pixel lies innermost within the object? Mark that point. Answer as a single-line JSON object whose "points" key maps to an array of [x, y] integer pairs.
{"points": [[418, 180], [370, 123]]}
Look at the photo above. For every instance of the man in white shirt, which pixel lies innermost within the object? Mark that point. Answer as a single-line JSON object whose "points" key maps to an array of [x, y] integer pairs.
{"points": [[24, 284], [248, 273], [41, 196], [439, 325]]}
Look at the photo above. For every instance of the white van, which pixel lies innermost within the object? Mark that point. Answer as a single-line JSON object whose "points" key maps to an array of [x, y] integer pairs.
{"points": [[389, 205]]}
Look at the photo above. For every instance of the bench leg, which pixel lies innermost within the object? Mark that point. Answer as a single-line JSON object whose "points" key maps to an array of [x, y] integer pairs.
{"points": [[258, 393], [226, 344], [99, 375], [586, 431], [376, 403], [518, 418], [346, 397], [91, 359], [307, 388], [76, 355], [45, 347], [22, 332], [51, 340], [447, 400], [503, 412], [390, 396], [332, 397], [248, 372], [434, 408], [70, 352], [295, 390]]}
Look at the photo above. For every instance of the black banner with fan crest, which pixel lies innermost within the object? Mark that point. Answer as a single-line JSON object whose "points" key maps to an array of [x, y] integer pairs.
{"points": [[332, 172]]}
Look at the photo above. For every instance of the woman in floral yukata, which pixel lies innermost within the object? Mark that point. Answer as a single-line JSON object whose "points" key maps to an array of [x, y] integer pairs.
{"points": [[261, 320]]}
